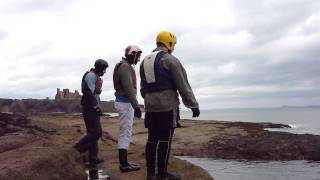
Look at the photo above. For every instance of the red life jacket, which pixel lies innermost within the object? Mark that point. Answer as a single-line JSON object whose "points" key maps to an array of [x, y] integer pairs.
{"points": [[99, 82]]}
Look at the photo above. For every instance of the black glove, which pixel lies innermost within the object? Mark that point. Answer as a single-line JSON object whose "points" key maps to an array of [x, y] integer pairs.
{"points": [[195, 112], [137, 112], [98, 110]]}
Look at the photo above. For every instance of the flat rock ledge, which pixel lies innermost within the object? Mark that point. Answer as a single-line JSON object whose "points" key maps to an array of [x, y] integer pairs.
{"points": [[240, 140], [41, 148]]}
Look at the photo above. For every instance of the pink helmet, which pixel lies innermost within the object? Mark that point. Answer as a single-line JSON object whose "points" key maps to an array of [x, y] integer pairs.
{"points": [[132, 50]]}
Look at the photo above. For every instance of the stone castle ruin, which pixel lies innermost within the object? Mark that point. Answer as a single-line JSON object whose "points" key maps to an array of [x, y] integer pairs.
{"points": [[65, 101], [66, 94]]}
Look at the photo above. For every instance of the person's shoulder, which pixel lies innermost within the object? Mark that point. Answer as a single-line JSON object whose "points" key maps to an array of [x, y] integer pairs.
{"points": [[90, 75], [125, 65], [150, 55], [124, 68], [171, 59]]}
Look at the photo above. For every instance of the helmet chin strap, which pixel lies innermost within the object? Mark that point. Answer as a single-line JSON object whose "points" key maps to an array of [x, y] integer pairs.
{"points": [[135, 60], [132, 59]]}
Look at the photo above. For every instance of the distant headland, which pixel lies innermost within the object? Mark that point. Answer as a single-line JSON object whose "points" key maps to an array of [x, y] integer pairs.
{"points": [[65, 101]]}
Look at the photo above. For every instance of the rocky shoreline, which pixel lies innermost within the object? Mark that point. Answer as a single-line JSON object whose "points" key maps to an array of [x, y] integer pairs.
{"points": [[249, 141], [242, 140], [45, 142], [38, 147]]}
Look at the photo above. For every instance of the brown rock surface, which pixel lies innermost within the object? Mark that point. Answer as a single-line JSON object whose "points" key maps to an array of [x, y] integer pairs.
{"points": [[32, 150], [239, 140], [109, 152], [39, 148]]}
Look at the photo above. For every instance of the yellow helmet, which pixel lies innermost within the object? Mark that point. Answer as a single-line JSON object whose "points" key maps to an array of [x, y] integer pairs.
{"points": [[168, 39]]}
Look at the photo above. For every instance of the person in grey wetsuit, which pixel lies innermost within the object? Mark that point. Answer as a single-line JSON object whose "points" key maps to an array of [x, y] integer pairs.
{"points": [[91, 87], [162, 78]]}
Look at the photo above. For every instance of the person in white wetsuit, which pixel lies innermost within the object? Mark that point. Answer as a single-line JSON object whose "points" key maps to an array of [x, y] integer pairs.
{"points": [[126, 104]]}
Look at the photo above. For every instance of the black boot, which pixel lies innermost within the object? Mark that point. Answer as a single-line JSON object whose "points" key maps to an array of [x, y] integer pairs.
{"points": [[169, 176], [93, 173], [151, 176], [151, 149], [124, 165], [98, 160], [123, 157], [163, 158]]}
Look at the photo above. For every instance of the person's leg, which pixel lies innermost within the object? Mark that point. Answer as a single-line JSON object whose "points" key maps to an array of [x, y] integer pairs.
{"points": [[93, 152], [151, 150], [126, 114], [165, 133], [164, 149], [152, 144], [84, 143], [94, 131], [93, 149], [163, 153]]}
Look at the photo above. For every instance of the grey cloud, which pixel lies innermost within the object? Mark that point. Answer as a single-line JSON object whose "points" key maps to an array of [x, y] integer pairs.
{"points": [[56, 73], [3, 34], [311, 26], [294, 78], [256, 72], [36, 50], [39, 87], [56, 68], [300, 71], [254, 63], [27, 6], [269, 20], [262, 99], [278, 97]]}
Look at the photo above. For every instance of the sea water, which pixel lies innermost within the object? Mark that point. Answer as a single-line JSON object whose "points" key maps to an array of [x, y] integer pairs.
{"points": [[258, 170], [302, 120]]}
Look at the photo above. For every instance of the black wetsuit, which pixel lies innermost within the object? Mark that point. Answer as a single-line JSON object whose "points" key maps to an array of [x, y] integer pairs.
{"points": [[92, 121]]}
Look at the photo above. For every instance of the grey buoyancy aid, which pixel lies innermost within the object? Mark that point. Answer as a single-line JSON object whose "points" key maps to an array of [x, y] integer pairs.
{"points": [[88, 97], [116, 81], [154, 77]]}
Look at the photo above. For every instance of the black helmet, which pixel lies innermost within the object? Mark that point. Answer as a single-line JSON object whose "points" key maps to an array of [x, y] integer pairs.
{"points": [[101, 64]]}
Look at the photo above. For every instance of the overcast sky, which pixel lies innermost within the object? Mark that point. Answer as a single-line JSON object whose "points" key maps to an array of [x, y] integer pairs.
{"points": [[244, 53]]}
